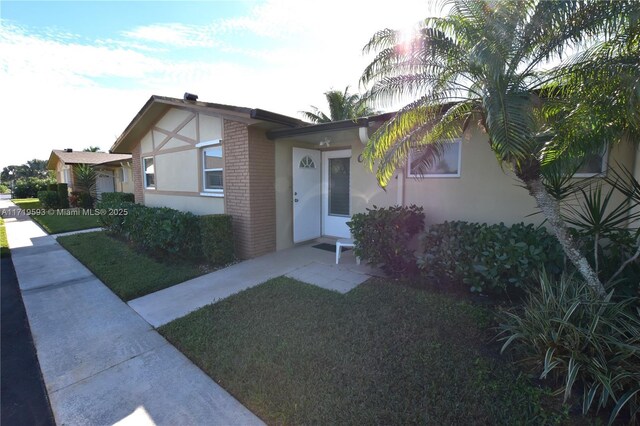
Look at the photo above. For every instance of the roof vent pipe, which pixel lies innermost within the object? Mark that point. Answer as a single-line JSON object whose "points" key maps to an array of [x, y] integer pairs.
{"points": [[190, 96], [68, 150]]}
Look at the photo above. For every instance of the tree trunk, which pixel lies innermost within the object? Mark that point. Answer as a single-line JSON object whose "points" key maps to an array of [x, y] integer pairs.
{"points": [[551, 210]]}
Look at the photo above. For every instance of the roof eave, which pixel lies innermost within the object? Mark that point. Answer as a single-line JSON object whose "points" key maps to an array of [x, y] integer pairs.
{"points": [[327, 127]]}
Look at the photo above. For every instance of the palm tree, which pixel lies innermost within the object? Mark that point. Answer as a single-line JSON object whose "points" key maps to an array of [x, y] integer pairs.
{"points": [[92, 149], [342, 106], [485, 62]]}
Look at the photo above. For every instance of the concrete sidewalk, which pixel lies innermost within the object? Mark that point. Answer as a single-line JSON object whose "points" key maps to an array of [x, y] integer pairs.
{"points": [[101, 362], [304, 263]]}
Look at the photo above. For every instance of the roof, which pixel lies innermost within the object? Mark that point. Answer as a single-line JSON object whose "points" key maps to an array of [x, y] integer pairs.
{"points": [[157, 106], [82, 157], [328, 127]]}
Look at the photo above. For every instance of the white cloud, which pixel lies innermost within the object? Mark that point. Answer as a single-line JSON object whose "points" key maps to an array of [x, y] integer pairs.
{"points": [[58, 90], [175, 34]]}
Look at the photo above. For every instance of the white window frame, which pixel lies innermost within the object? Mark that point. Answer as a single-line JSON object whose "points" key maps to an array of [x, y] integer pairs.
{"points": [[458, 142], [210, 192], [603, 167], [144, 173]]}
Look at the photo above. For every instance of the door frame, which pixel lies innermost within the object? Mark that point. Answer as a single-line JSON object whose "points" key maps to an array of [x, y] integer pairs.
{"points": [[326, 156]]}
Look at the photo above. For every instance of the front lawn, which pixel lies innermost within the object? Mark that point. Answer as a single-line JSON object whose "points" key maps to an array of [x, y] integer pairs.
{"points": [[58, 221], [126, 272], [382, 354], [4, 244]]}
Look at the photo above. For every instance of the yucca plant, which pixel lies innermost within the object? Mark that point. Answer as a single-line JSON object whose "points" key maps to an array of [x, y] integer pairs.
{"points": [[85, 180], [568, 333]]}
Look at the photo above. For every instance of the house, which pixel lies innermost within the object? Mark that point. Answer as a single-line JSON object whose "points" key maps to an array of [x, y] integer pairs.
{"points": [[113, 171], [285, 181]]}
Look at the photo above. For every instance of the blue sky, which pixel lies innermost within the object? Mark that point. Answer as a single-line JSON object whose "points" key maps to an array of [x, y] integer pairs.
{"points": [[74, 74]]}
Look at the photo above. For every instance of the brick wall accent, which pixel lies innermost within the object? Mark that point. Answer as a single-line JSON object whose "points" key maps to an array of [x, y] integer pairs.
{"points": [[262, 172], [249, 175], [137, 175]]}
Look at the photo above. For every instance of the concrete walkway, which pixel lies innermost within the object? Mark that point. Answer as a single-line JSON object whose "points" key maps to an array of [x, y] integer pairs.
{"points": [[304, 263], [101, 362]]}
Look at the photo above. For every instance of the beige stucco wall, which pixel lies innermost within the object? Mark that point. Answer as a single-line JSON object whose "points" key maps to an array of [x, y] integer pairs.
{"points": [[146, 144], [482, 193], [194, 204], [210, 128], [365, 192], [177, 171], [127, 184], [178, 162]]}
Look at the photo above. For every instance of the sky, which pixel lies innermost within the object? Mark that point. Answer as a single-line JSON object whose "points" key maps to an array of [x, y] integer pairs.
{"points": [[74, 74]]}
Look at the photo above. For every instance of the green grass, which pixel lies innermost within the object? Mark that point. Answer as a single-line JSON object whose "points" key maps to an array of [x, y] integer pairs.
{"points": [[4, 244], [126, 272], [383, 354], [57, 222]]}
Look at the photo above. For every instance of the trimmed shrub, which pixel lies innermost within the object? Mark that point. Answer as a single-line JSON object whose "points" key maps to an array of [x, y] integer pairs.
{"points": [[118, 197], [488, 258], [63, 195], [217, 239], [85, 200], [4, 189], [49, 199], [383, 237], [567, 332], [52, 187], [29, 187], [162, 232]]}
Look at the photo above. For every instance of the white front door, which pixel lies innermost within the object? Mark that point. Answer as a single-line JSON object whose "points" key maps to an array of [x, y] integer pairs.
{"points": [[104, 182], [336, 193], [306, 194]]}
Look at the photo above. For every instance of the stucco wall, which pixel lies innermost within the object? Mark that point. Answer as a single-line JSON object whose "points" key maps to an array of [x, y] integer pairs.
{"points": [[171, 142], [482, 193], [177, 171], [194, 204]]}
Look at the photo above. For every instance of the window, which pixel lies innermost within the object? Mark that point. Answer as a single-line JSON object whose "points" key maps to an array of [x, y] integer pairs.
{"points": [[66, 175], [212, 167], [339, 174], [307, 163], [448, 165], [594, 165], [149, 173]]}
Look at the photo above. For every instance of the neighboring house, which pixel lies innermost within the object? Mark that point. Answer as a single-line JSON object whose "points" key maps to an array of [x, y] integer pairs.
{"points": [[114, 171], [285, 181]]}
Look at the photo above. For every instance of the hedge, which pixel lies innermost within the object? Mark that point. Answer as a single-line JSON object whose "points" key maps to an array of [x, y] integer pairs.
{"points": [[63, 195], [166, 232], [383, 237], [118, 197], [29, 187], [217, 238], [49, 199], [489, 258]]}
